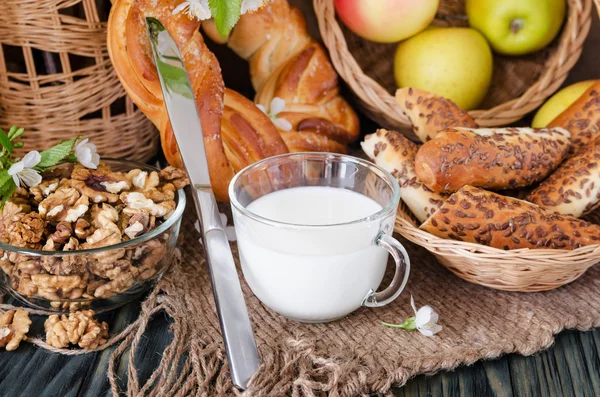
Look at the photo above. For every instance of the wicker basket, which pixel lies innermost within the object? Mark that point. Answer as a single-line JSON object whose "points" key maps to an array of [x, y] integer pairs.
{"points": [[56, 79], [524, 270], [533, 78]]}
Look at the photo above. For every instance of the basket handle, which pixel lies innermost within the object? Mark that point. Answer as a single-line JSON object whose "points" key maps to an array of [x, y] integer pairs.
{"points": [[391, 245]]}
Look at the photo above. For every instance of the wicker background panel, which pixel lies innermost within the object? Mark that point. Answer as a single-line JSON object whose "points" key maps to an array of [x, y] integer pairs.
{"points": [[57, 81]]}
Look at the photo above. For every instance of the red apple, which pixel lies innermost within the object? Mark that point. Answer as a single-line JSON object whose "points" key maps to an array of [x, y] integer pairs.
{"points": [[386, 21]]}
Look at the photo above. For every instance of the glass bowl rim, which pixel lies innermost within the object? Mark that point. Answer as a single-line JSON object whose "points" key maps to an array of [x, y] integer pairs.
{"points": [[163, 227], [392, 204]]}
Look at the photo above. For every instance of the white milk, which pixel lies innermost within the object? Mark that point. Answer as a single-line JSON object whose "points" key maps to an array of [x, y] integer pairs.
{"points": [[315, 273]]}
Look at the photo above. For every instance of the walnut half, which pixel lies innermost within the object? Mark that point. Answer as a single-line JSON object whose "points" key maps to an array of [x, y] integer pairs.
{"points": [[14, 326], [79, 328]]}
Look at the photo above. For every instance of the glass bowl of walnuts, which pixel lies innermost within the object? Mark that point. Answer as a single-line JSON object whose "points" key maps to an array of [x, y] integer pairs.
{"points": [[90, 238]]}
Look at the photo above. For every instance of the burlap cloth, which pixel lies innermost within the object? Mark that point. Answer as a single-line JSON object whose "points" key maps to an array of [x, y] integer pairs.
{"points": [[352, 356]]}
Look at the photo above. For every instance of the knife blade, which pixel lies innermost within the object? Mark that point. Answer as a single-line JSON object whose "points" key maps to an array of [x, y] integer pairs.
{"points": [[236, 328]]}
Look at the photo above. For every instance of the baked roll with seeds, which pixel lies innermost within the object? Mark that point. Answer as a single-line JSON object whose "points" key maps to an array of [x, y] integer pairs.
{"points": [[493, 158], [478, 216], [582, 118], [396, 154], [574, 188], [429, 113]]}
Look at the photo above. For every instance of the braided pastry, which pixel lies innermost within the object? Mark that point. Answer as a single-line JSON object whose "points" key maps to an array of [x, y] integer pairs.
{"points": [[236, 132], [286, 62]]}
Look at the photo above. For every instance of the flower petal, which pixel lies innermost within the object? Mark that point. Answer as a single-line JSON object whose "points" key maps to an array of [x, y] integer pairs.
{"points": [[434, 318], [95, 161], [81, 143], [282, 124], [262, 108], [426, 331], [199, 9], [181, 7], [16, 180], [412, 304], [423, 316], [248, 5], [251, 5], [277, 106], [83, 155], [16, 168], [92, 147], [86, 154], [30, 177], [31, 159]]}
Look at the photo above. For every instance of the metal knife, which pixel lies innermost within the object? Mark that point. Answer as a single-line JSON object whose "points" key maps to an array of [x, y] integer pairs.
{"points": [[236, 329]]}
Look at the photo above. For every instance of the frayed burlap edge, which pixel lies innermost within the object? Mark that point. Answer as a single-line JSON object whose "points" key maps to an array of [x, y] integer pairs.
{"points": [[295, 363]]}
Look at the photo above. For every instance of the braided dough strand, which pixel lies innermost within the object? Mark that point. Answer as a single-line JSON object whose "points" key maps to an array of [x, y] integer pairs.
{"points": [[236, 133], [286, 62]]}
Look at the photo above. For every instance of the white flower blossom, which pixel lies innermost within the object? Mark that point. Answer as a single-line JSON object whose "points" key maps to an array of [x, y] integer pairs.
{"points": [[252, 5], [194, 9], [277, 106], [200, 9], [426, 319], [86, 154], [23, 171]]}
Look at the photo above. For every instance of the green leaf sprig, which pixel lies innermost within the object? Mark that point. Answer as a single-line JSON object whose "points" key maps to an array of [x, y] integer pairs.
{"points": [[226, 14], [63, 152]]}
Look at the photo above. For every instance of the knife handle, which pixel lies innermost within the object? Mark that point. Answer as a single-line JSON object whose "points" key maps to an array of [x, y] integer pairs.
{"points": [[236, 328]]}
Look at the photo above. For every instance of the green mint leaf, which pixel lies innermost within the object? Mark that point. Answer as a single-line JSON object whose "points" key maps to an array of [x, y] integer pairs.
{"points": [[226, 14], [7, 193], [15, 132], [4, 178], [5, 142], [7, 187], [57, 154], [12, 130]]}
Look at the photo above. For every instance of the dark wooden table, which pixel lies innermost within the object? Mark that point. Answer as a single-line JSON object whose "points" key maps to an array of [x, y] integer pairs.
{"points": [[570, 368]]}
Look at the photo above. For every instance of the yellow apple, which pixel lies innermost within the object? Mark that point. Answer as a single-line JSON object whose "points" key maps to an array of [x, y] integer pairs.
{"points": [[559, 102], [455, 63], [386, 21]]}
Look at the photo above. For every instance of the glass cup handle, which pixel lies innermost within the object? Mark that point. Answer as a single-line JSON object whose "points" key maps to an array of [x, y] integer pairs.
{"points": [[391, 245]]}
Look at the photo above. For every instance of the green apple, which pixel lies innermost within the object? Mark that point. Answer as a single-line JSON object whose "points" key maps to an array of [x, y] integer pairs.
{"points": [[559, 102], [455, 63], [517, 27]]}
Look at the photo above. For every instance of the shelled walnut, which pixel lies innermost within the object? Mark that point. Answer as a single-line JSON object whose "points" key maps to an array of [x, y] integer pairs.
{"points": [[79, 328], [82, 209], [14, 326]]}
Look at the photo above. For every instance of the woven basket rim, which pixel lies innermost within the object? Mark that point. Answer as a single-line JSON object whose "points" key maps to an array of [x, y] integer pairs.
{"points": [[375, 97]]}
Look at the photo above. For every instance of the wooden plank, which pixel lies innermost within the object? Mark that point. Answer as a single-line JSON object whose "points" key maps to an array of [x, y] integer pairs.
{"points": [[560, 351], [33, 372], [574, 352], [547, 373], [523, 376], [498, 375]]}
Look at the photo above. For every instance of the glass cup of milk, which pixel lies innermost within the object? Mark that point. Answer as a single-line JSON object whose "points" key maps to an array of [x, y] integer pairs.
{"points": [[314, 232]]}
